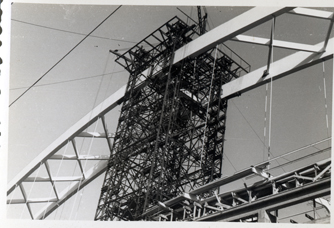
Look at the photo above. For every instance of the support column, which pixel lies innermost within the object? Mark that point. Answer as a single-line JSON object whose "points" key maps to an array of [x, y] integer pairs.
{"points": [[266, 217]]}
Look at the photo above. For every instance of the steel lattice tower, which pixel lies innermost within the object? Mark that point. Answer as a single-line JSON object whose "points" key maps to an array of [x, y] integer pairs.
{"points": [[170, 133]]}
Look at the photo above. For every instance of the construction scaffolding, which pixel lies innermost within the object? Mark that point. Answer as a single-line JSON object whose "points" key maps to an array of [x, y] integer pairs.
{"points": [[170, 133], [164, 163]]}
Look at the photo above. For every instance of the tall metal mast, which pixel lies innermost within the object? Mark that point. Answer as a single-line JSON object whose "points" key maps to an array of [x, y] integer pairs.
{"points": [[202, 20]]}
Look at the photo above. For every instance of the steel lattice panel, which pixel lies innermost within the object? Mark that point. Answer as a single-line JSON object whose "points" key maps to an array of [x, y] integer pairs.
{"points": [[170, 133]]}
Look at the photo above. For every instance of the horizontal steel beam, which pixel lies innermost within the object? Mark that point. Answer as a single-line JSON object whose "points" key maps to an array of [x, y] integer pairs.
{"points": [[37, 200], [273, 202], [81, 157], [207, 187], [94, 135], [228, 30], [264, 186], [277, 43], [278, 69], [260, 185], [312, 13], [55, 179], [226, 180]]}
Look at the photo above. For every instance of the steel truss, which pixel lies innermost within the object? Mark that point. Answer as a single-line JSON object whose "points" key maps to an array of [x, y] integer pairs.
{"points": [[231, 30], [170, 133], [259, 202]]}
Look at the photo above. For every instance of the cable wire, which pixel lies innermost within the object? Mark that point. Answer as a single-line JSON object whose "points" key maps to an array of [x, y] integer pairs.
{"points": [[52, 182], [33, 183], [91, 142], [290, 216], [325, 95], [299, 149], [65, 55], [105, 95], [263, 142], [265, 122], [207, 109], [76, 33], [69, 185], [301, 158], [80, 182], [270, 113], [248, 123], [188, 17], [71, 80], [271, 53]]}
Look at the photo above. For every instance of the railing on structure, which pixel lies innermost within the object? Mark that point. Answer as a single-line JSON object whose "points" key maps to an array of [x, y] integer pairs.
{"points": [[246, 204], [161, 41]]}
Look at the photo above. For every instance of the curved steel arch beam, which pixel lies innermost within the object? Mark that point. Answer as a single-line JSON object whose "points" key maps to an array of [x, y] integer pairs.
{"points": [[99, 111], [242, 23], [235, 26], [91, 174]]}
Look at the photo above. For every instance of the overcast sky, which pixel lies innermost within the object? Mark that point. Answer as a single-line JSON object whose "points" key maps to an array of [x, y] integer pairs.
{"points": [[43, 34]]}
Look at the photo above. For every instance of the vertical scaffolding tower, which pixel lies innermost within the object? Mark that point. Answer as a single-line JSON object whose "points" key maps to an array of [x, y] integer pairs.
{"points": [[170, 133]]}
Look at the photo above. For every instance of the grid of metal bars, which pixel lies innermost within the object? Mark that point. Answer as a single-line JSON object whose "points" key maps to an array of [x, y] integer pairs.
{"points": [[170, 133]]}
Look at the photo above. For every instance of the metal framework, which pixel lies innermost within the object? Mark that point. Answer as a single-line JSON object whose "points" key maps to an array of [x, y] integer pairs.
{"points": [[161, 64], [258, 202], [170, 133]]}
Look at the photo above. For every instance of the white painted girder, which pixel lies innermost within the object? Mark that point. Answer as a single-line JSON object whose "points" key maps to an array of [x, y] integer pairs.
{"points": [[239, 24], [280, 68], [76, 183], [108, 104], [55, 179], [329, 31], [16, 201], [222, 33], [74, 187], [36, 200], [277, 43], [94, 134], [312, 13], [25, 198], [80, 157], [228, 30]]}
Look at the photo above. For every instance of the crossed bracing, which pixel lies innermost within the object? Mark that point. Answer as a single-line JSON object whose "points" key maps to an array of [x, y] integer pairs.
{"points": [[306, 56], [272, 193]]}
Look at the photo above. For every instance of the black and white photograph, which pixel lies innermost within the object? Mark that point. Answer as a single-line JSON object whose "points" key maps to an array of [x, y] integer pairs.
{"points": [[169, 112]]}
